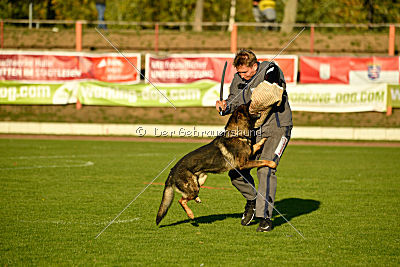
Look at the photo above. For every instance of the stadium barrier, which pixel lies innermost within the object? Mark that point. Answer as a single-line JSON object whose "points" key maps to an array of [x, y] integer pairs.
{"points": [[189, 131]]}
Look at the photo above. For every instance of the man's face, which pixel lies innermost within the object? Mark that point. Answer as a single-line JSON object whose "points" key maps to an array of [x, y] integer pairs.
{"points": [[246, 72]]}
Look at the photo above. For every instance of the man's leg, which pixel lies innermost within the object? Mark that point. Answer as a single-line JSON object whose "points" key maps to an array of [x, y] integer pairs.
{"points": [[258, 16], [272, 150], [266, 192], [270, 16], [247, 188], [244, 186], [100, 15]]}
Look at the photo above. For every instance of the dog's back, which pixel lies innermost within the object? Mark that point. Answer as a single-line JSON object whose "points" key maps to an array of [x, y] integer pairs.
{"points": [[206, 158]]}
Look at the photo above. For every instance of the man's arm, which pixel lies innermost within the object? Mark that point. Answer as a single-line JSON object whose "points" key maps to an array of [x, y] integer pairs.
{"points": [[274, 74], [233, 101], [220, 105]]}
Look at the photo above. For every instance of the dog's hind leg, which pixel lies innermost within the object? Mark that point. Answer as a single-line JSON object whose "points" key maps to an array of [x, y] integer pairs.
{"points": [[189, 188], [202, 179], [183, 201]]}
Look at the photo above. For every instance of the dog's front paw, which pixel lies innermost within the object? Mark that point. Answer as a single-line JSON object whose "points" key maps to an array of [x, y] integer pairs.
{"points": [[259, 145], [197, 199], [262, 141], [273, 165]]}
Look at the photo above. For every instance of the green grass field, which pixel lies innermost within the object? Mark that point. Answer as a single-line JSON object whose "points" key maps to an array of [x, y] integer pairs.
{"points": [[56, 196]]}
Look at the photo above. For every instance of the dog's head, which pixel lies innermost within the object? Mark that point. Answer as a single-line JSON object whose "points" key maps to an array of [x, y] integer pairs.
{"points": [[241, 121]]}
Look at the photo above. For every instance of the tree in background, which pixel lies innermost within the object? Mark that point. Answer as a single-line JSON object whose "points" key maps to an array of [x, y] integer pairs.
{"points": [[348, 11], [48, 9], [289, 16], [308, 11], [75, 10], [198, 16]]}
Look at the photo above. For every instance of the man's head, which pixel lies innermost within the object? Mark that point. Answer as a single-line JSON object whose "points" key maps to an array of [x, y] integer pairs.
{"points": [[245, 63]]}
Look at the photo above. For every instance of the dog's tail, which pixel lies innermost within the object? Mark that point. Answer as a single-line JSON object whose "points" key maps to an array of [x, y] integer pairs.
{"points": [[166, 201]]}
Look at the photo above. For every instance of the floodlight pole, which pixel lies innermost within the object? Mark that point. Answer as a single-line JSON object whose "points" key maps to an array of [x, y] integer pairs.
{"points": [[156, 34], [392, 38], [312, 39]]}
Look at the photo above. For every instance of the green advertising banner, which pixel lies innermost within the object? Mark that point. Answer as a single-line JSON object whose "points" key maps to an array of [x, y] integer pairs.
{"points": [[338, 97], [312, 97], [37, 94], [203, 93], [394, 95]]}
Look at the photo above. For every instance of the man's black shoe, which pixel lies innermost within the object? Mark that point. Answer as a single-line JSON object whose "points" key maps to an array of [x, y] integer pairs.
{"points": [[249, 211], [265, 225]]}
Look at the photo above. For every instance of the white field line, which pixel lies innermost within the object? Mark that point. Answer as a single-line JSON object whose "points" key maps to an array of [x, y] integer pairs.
{"points": [[133, 200], [80, 156], [61, 222], [83, 164]]}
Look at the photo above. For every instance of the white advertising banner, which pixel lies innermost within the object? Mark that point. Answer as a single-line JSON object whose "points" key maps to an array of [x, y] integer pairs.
{"points": [[349, 70], [338, 97]]}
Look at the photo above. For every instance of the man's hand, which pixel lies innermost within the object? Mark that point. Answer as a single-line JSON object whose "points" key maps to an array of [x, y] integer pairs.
{"points": [[220, 105]]}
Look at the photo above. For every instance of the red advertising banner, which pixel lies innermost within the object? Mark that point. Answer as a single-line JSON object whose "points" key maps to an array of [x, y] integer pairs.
{"points": [[187, 68], [68, 66], [349, 70]]}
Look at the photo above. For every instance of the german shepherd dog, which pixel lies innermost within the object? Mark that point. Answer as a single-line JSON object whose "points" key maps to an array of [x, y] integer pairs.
{"points": [[232, 150]]}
